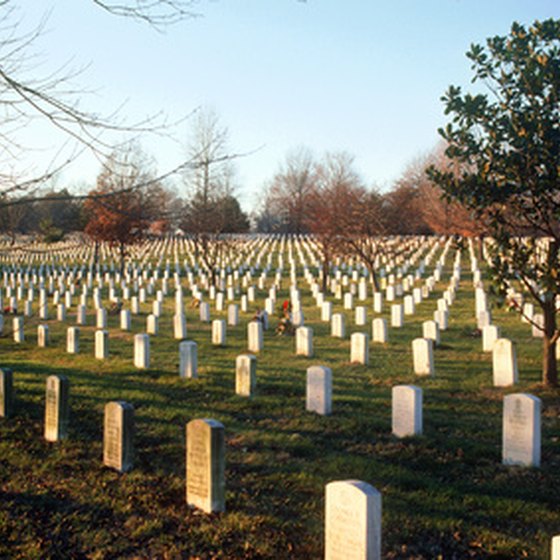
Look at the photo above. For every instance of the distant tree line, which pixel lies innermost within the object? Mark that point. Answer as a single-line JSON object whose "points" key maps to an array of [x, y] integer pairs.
{"points": [[413, 204]]}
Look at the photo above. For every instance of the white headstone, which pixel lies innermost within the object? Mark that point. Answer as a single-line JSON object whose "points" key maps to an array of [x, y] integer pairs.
{"points": [[142, 350], [56, 407], [206, 465], [73, 340], [537, 327], [378, 302], [125, 319], [61, 312], [490, 333], [319, 390], [188, 359], [441, 317], [409, 306], [117, 435], [338, 327], [42, 336], [101, 318], [304, 341], [423, 355], [352, 521], [504, 363], [326, 311], [157, 308], [521, 436], [361, 315], [555, 548], [179, 326], [101, 344], [430, 329], [397, 317], [245, 375], [359, 348], [233, 314], [483, 319], [6, 393], [255, 336], [152, 324], [17, 323], [81, 315], [379, 330], [218, 332], [204, 311], [407, 410]]}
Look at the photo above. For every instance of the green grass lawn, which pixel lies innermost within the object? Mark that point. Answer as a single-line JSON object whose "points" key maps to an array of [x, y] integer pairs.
{"points": [[445, 494]]}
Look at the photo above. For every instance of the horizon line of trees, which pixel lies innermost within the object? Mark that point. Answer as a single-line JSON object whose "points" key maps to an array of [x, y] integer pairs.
{"points": [[413, 205], [128, 193]]}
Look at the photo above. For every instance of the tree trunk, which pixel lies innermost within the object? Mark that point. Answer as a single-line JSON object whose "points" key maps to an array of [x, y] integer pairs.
{"points": [[549, 369], [326, 263], [373, 275], [480, 246], [122, 258]]}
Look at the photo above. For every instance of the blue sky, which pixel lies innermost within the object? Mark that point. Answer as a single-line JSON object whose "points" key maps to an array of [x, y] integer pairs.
{"points": [[364, 76]]}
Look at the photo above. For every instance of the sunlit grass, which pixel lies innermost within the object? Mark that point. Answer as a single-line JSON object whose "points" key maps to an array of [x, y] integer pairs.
{"points": [[445, 494]]}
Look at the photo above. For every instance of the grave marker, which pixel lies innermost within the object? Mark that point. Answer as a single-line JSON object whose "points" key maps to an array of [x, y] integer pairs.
{"points": [[179, 326], [125, 319], [6, 393], [338, 326], [430, 329], [521, 435], [406, 410], [101, 345], [361, 315], [218, 332], [359, 348], [17, 323], [379, 330], [352, 521], [304, 342], [397, 316], [504, 363], [555, 548], [42, 336], [73, 340], [57, 407], [423, 356], [188, 359], [245, 375], [118, 431], [490, 333], [319, 390], [152, 324], [255, 336], [206, 465], [142, 350]]}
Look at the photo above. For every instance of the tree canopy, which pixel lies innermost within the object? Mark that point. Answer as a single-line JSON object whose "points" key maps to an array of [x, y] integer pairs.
{"points": [[507, 142]]}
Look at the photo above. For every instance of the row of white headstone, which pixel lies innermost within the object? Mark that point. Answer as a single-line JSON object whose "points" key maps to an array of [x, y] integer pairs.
{"points": [[521, 433]]}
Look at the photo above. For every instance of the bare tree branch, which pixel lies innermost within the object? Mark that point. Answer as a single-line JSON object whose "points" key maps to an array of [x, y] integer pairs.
{"points": [[157, 13]]}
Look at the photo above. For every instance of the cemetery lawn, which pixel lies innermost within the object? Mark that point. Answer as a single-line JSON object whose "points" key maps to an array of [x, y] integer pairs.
{"points": [[445, 494]]}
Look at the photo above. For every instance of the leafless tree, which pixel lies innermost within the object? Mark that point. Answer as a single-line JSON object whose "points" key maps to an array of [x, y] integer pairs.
{"points": [[289, 193], [27, 95], [333, 205], [209, 180], [119, 213], [157, 13]]}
